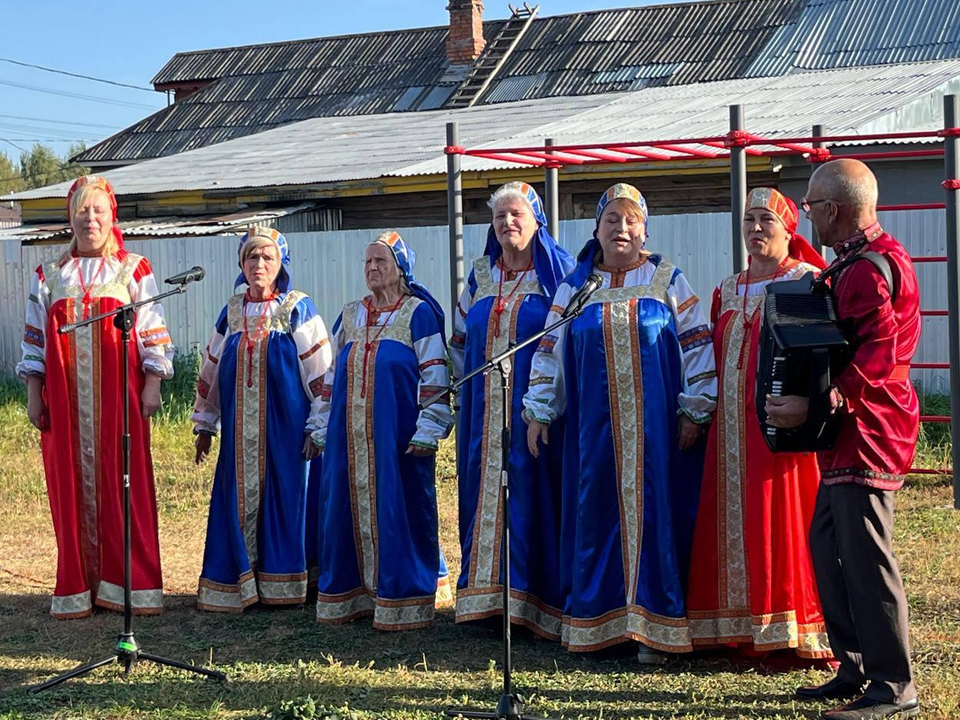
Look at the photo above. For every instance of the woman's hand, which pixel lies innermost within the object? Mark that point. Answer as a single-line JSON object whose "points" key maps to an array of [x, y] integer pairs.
{"points": [[310, 448], [689, 432], [419, 450], [537, 430], [36, 408], [150, 397], [202, 442]]}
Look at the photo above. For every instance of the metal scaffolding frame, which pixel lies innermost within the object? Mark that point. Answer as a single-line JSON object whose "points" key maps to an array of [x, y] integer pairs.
{"points": [[735, 147]]}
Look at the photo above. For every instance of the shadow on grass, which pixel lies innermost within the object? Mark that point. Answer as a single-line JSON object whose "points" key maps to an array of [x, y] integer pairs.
{"points": [[289, 634], [273, 655], [164, 692]]}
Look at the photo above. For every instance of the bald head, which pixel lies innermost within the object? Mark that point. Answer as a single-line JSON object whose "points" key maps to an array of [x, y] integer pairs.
{"points": [[842, 199], [848, 182]]}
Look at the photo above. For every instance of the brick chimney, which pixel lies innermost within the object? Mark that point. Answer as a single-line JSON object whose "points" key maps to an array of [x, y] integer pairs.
{"points": [[465, 41]]}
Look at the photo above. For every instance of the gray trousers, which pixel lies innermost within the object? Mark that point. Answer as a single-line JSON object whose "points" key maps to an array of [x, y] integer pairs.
{"points": [[861, 592]]}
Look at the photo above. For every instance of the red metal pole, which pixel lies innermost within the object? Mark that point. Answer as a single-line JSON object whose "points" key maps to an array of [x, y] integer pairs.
{"points": [[916, 206], [892, 155], [693, 151], [506, 158], [651, 154], [747, 150], [553, 158], [873, 137], [606, 157]]}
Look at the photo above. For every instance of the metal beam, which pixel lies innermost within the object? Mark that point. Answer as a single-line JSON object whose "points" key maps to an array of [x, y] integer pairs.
{"points": [[738, 191], [454, 218], [551, 187], [814, 236], [951, 166]]}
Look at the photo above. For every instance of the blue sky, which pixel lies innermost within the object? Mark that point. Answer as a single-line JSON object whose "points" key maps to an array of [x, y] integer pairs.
{"points": [[130, 41]]}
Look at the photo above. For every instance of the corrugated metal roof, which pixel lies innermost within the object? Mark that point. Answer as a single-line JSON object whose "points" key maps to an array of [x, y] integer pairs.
{"points": [[843, 33], [327, 150], [687, 43], [234, 223], [260, 87]]}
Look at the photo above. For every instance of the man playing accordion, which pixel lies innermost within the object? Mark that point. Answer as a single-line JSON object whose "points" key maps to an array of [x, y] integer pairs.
{"points": [[851, 536]]}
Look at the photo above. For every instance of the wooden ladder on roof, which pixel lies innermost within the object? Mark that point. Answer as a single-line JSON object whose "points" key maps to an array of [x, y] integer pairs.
{"points": [[493, 57]]}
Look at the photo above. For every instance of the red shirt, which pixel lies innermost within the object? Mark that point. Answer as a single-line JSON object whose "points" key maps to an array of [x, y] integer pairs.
{"points": [[881, 413]]}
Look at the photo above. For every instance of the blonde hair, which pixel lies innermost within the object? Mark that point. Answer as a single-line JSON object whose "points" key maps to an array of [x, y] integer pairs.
{"points": [[255, 242], [80, 198]]}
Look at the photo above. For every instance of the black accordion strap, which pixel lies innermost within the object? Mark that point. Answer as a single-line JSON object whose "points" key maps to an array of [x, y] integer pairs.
{"points": [[878, 260]]}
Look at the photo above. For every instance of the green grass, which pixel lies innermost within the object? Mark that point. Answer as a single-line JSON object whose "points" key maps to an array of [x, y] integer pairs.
{"points": [[282, 664]]}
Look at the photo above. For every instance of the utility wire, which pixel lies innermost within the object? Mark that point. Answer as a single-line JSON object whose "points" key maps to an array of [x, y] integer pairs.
{"points": [[78, 96], [77, 75], [49, 132], [10, 142], [69, 132], [62, 122], [31, 176], [64, 139]]}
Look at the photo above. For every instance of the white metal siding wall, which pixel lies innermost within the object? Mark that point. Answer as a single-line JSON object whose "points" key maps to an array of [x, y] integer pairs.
{"points": [[328, 266]]}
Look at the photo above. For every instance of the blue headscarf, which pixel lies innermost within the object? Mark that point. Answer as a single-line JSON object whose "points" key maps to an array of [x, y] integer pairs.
{"points": [[551, 261], [620, 191], [406, 258], [283, 277]]}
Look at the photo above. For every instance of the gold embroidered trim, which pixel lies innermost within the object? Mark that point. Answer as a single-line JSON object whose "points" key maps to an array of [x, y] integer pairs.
{"points": [[525, 609], [656, 289]]}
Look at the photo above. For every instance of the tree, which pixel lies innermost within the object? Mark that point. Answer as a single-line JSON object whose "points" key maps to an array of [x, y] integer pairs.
{"points": [[41, 166], [10, 180]]}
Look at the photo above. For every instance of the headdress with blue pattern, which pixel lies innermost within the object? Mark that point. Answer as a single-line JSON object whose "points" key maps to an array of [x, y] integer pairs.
{"points": [[283, 277], [406, 258], [552, 262], [619, 191]]}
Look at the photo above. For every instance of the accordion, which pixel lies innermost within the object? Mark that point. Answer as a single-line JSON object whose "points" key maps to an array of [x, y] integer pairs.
{"points": [[801, 350]]}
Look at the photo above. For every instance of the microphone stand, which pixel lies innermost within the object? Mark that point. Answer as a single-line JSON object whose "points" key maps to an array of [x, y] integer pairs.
{"points": [[127, 650], [510, 705]]}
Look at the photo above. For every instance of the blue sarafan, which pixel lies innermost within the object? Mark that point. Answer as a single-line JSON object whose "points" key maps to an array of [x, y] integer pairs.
{"points": [[261, 379], [378, 551], [260, 383], [498, 308], [619, 376], [378, 534]]}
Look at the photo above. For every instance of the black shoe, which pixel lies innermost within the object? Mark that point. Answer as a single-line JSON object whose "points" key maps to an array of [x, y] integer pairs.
{"points": [[835, 689], [865, 708]]}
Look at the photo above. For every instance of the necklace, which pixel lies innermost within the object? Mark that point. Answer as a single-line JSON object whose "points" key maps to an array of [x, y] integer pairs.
{"points": [[248, 341], [87, 290], [373, 314], [503, 302], [748, 320]]}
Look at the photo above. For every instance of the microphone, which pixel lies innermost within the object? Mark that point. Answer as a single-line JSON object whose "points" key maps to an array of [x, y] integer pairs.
{"points": [[593, 283], [187, 276]]}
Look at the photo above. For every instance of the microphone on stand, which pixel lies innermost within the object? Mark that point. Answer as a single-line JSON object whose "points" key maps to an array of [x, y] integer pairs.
{"points": [[593, 283], [187, 276]]}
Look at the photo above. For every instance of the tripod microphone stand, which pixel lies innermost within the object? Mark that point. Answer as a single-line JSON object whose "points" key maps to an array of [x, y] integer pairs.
{"points": [[127, 650], [510, 705]]}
